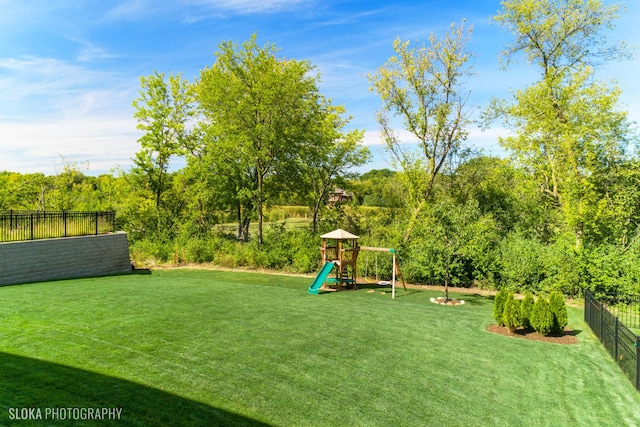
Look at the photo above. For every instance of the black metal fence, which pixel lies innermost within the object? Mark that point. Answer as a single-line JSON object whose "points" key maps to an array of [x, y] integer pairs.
{"points": [[617, 338], [624, 307], [25, 225]]}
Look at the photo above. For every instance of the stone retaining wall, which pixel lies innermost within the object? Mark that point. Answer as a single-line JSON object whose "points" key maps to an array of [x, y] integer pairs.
{"points": [[64, 258]]}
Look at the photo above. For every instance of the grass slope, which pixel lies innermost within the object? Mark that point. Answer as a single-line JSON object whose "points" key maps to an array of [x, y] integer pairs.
{"points": [[189, 347]]}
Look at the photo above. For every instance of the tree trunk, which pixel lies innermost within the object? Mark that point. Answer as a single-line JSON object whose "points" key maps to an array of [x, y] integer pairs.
{"points": [[243, 229], [260, 206], [243, 222], [446, 281]]}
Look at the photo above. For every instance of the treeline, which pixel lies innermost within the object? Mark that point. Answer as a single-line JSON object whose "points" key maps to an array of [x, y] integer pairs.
{"points": [[489, 226]]}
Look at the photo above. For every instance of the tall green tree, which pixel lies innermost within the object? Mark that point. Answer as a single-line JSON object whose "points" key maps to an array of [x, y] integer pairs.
{"points": [[262, 113], [567, 126], [163, 110], [424, 86]]}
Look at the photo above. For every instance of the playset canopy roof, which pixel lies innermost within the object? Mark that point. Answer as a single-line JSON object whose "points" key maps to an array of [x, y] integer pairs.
{"points": [[339, 234]]}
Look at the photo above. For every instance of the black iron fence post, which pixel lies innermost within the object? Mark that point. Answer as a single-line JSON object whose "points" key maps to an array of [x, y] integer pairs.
{"points": [[616, 336], [31, 225], [587, 308], [600, 333], [638, 363]]}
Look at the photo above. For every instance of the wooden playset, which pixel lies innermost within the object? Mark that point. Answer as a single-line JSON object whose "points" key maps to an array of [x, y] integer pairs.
{"points": [[340, 253]]}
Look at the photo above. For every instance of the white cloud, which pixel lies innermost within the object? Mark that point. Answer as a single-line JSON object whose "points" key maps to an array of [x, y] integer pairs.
{"points": [[486, 140], [248, 6], [196, 10], [374, 137], [55, 108], [51, 87], [37, 146]]}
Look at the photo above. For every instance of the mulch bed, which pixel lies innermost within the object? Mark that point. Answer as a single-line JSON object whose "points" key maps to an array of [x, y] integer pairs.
{"points": [[568, 337]]}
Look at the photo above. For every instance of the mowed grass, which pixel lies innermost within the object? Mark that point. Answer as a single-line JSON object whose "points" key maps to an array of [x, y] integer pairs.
{"points": [[195, 347]]}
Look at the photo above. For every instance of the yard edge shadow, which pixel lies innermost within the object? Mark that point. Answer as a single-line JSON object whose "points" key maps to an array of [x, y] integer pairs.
{"points": [[31, 383]]}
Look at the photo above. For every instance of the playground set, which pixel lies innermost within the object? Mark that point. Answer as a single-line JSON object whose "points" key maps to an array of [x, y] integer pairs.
{"points": [[340, 252]]}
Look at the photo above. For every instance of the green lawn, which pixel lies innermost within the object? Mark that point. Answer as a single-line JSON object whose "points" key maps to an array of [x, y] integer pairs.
{"points": [[195, 347]]}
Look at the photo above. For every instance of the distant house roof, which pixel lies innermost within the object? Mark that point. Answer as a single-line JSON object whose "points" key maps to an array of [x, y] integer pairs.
{"points": [[339, 195], [339, 234]]}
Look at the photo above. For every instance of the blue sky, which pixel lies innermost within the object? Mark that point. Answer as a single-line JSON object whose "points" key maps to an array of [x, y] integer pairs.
{"points": [[69, 70]]}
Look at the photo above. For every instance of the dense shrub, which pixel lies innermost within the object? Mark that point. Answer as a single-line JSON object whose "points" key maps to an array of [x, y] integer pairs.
{"points": [[542, 316], [148, 252], [522, 261], [452, 242], [199, 250], [559, 310], [565, 266], [498, 305], [526, 307], [511, 312]]}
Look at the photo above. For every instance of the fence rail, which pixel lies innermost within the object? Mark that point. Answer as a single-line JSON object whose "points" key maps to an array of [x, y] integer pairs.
{"points": [[624, 306], [621, 343], [25, 225]]}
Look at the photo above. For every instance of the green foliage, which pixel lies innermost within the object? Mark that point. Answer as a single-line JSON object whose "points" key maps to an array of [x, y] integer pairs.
{"points": [[522, 263], [511, 313], [559, 309], [498, 305], [424, 86], [292, 250], [267, 130], [526, 309], [450, 243], [162, 110], [378, 187], [542, 316], [567, 127]]}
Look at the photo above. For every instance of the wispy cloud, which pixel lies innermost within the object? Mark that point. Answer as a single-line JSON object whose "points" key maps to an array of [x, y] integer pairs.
{"points": [[53, 107], [56, 88], [105, 142], [196, 10], [249, 6]]}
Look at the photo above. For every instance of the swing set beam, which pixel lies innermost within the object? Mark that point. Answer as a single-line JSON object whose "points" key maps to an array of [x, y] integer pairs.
{"points": [[374, 249], [396, 267]]}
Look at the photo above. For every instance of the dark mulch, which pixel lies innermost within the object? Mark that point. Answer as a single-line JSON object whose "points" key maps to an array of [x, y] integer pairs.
{"points": [[568, 337]]}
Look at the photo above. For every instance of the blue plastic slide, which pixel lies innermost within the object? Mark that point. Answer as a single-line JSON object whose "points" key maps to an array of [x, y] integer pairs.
{"points": [[320, 278]]}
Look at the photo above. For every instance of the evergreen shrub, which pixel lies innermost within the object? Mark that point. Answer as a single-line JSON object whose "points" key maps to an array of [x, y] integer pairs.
{"points": [[526, 307], [511, 312], [498, 305], [559, 310], [542, 316]]}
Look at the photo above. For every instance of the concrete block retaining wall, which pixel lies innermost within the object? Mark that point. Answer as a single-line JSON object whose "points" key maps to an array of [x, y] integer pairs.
{"points": [[64, 258]]}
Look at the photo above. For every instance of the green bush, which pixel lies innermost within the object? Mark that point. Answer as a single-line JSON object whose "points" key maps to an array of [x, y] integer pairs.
{"points": [[542, 316], [511, 312], [522, 262], [526, 308], [148, 251], [199, 250], [498, 305], [559, 310]]}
